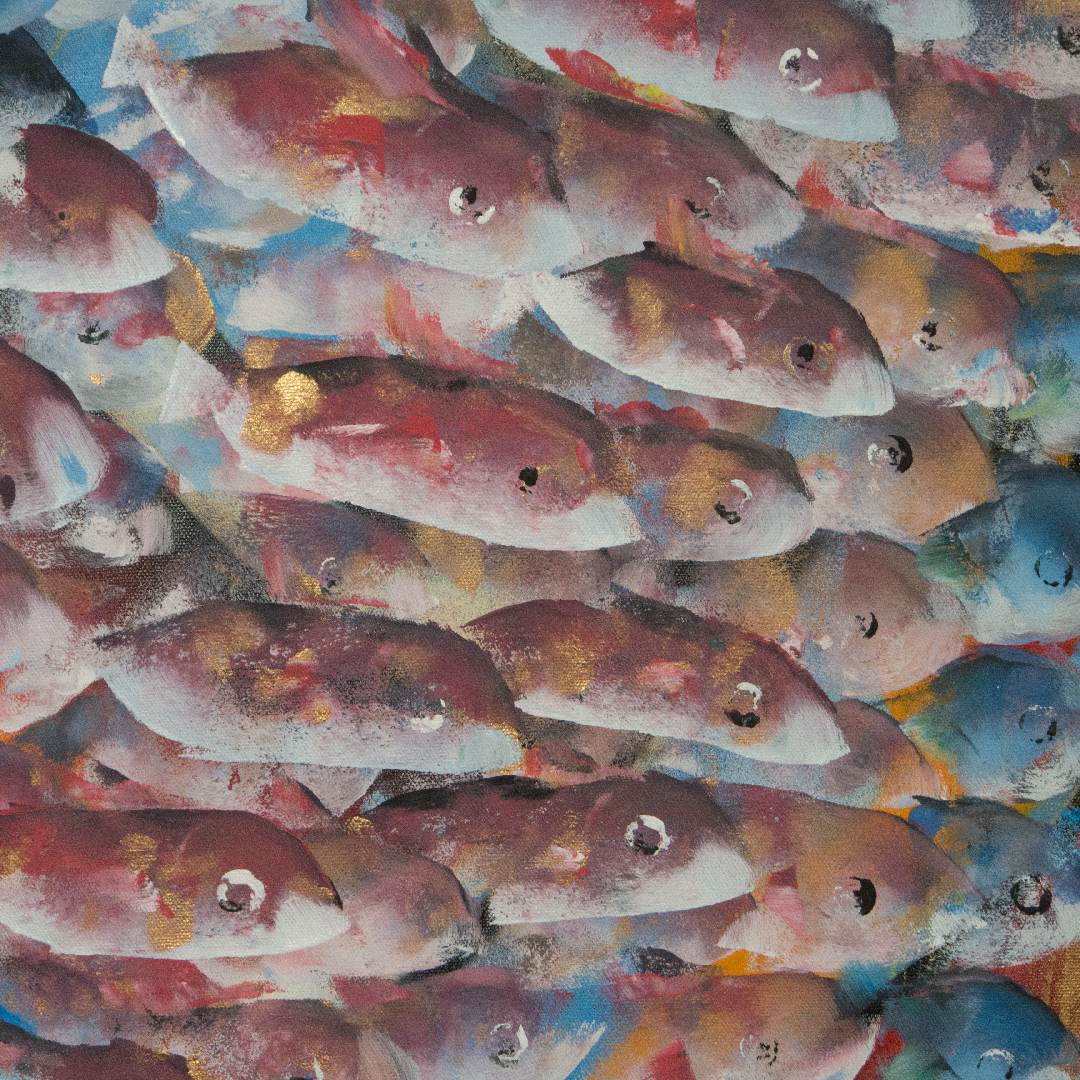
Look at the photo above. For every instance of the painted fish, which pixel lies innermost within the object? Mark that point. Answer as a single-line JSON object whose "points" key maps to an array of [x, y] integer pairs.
{"points": [[509, 465], [837, 887], [21, 1055], [114, 350], [406, 914], [945, 320], [81, 221], [475, 1024], [774, 338], [265, 682], [1011, 561], [703, 494], [463, 192], [538, 854], [740, 1028], [883, 769], [661, 670], [1000, 724], [176, 883], [898, 475], [1028, 871], [972, 1025], [811, 67]]}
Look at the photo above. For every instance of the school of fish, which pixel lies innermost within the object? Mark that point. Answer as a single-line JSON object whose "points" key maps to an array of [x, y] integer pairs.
{"points": [[539, 535]]}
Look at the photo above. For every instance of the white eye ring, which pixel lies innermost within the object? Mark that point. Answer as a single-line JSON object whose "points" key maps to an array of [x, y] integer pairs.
{"points": [[242, 877], [716, 184], [457, 203], [750, 688], [791, 54], [486, 216], [810, 52], [522, 1041], [649, 822], [810, 86], [744, 488]]}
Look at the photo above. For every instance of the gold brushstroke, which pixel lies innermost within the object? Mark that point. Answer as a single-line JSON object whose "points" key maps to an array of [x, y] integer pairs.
{"points": [[188, 305], [97, 380], [140, 851], [165, 933], [10, 861], [458, 558], [277, 408], [260, 353], [647, 309]]}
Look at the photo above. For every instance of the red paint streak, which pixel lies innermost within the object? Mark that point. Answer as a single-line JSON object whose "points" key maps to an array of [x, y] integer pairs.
{"points": [[645, 412], [165, 909], [353, 133], [672, 1063], [813, 188], [1053, 650], [589, 70], [136, 329], [585, 458], [888, 1046], [418, 427], [1001, 226], [670, 24]]}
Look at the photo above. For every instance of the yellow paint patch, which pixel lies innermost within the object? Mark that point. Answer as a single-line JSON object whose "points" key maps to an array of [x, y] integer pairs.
{"points": [[1019, 260], [97, 380], [648, 306]]}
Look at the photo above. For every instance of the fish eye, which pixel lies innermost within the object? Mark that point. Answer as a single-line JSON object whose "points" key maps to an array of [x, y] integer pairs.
{"points": [[802, 354], [924, 338], [869, 627], [1068, 37], [7, 491], [647, 834], [240, 889], [529, 476], [698, 211], [865, 895], [1040, 177], [506, 1044], [732, 517], [805, 353], [1051, 728], [463, 199], [747, 718], [93, 334], [898, 455], [1003, 1056], [790, 61], [1054, 571], [731, 514], [1032, 895], [791, 65]]}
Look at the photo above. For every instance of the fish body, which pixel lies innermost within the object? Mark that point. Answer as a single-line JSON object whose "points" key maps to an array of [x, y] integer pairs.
{"points": [[537, 854], [660, 670], [266, 683], [1001, 723], [774, 338], [176, 883]]}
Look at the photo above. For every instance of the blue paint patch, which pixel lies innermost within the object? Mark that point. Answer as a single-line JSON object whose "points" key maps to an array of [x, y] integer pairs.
{"points": [[1035, 221], [13, 660], [74, 471], [16, 1021], [192, 456]]}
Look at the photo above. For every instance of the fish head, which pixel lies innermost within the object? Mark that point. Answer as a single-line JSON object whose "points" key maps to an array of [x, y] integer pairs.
{"points": [[721, 495], [250, 889], [475, 195]]}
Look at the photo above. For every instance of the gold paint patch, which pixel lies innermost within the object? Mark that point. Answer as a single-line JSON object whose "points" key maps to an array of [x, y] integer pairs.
{"points": [[275, 409], [140, 851], [173, 924]]}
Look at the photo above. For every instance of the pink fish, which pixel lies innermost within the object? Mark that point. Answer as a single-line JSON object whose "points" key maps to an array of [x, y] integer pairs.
{"points": [[738, 331], [663, 671], [177, 883], [37, 1059], [81, 218]]}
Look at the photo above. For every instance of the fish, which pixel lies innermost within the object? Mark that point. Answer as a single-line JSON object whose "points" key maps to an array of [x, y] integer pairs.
{"points": [[883, 769], [704, 495], [282, 683], [37, 1059], [646, 667], [115, 350], [49, 456], [406, 914], [999, 724], [507, 464], [96, 738], [537, 854], [475, 1023], [41, 667], [77, 217], [379, 303], [696, 1025], [32, 90], [1028, 871], [463, 189], [1011, 561], [946, 320], [972, 1024], [619, 164], [838, 888], [181, 884], [850, 607], [898, 475], [815, 68], [998, 168], [768, 337]]}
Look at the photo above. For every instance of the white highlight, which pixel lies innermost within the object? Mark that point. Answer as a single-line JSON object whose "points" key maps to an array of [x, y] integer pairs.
{"points": [[790, 54], [242, 877], [522, 1043], [751, 688], [811, 86], [486, 216], [457, 203], [810, 52], [649, 822]]}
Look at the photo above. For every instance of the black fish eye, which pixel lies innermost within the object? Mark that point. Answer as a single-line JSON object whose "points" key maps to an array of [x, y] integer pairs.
{"points": [[1032, 895], [469, 194], [529, 476], [805, 352], [93, 334], [930, 329], [1069, 39], [698, 211], [7, 491], [865, 895], [743, 719], [61, 215], [506, 1043], [732, 517], [792, 63], [643, 837], [1040, 178], [230, 906], [870, 628]]}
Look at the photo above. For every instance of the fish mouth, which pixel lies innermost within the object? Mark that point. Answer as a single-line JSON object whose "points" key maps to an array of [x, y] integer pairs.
{"points": [[603, 520], [299, 923], [860, 387]]}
